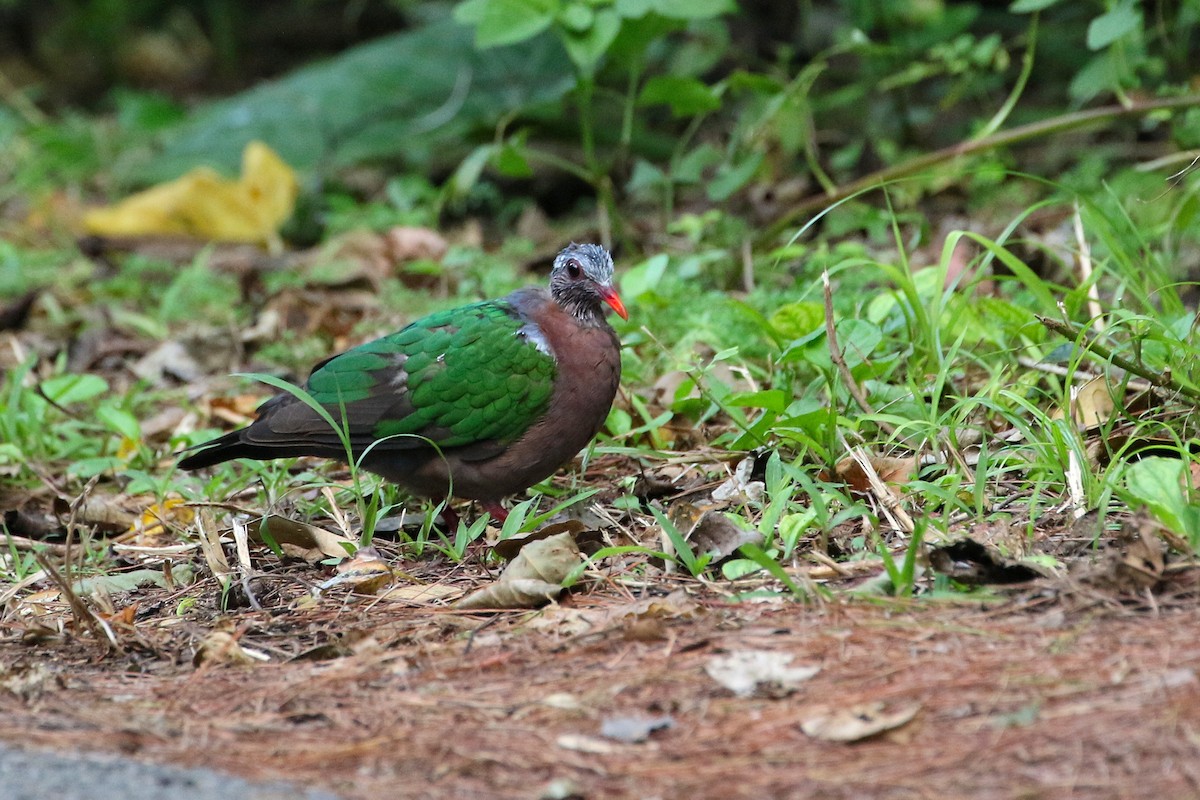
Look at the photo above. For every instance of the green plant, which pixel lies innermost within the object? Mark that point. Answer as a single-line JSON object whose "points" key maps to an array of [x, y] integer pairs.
{"points": [[617, 31]]}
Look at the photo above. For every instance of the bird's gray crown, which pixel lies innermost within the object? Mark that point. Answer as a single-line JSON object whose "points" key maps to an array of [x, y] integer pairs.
{"points": [[596, 262]]}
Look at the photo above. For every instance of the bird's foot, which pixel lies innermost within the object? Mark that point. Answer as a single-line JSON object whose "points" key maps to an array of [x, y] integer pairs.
{"points": [[498, 512], [449, 518]]}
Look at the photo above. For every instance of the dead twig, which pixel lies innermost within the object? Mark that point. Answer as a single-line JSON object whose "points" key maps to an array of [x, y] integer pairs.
{"points": [[1085, 271], [1090, 345], [1035, 130], [839, 360]]}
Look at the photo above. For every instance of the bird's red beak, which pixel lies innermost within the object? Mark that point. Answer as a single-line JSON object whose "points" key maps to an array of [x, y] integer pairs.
{"points": [[610, 296]]}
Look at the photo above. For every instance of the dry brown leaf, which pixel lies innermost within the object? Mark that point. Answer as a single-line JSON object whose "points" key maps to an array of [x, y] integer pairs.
{"points": [[858, 722], [122, 618], [421, 593], [508, 548], [221, 646], [307, 541], [407, 243], [896, 471], [236, 409], [534, 577], [101, 510], [719, 536], [1091, 405], [364, 573], [976, 564]]}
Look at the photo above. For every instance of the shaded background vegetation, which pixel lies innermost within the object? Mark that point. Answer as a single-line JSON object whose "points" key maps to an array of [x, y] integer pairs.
{"points": [[729, 152]]}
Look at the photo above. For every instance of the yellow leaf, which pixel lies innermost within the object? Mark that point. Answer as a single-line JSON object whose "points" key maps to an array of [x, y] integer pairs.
{"points": [[205, 205], [155, 518]]}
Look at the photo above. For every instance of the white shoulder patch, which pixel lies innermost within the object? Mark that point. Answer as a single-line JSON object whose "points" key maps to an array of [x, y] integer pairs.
{"points": [[534, 334]]}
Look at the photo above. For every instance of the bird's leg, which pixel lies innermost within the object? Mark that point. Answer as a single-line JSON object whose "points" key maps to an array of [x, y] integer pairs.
{"points": [[449, 516], [498, 512]]}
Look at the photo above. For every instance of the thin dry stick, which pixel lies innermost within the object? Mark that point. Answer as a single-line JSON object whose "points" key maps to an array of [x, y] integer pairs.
{"points": [[839, 360], [242, 548], [747, 265], [1035, 130], [1085, 272], [887, 500], [1102, 353]]}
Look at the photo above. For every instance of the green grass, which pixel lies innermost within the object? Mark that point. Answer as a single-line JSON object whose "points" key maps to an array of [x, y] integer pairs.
{"points": [[946, 358]]}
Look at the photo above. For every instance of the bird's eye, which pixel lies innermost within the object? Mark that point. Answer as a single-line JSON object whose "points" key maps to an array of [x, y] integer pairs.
{"points": [[573, 268]]}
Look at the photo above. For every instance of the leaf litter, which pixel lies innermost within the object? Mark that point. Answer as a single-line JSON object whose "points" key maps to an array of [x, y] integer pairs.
{"points": [[370, 649]]}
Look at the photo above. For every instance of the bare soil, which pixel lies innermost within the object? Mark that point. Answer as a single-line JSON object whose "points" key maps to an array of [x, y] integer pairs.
{"points": [[1037, 696]]}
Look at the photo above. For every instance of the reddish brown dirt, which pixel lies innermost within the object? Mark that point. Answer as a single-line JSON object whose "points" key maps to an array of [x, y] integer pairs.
{"points": [[1013, 704]]}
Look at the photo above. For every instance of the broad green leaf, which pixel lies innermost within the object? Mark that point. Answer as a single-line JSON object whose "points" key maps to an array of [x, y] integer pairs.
{"points": [[89, 467], [691, 167], [468, 172], [795, 320], [686, 96], [632, 9], [1029, 6], [587, 48], [510, 160], [501, 22], [770, 399], [577, 17], [645, 277], [120, 421], [68, 389], [858, 339], [693, 9], [731, 178], [413, 97], [1158, 483], [1107, 28]]}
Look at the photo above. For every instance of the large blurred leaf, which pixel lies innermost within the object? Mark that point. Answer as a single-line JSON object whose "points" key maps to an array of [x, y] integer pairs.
{"points": [[412, 96]]}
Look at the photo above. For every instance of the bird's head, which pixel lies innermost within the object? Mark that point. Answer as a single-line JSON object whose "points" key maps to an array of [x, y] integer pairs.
{"points": [[582, 279]]}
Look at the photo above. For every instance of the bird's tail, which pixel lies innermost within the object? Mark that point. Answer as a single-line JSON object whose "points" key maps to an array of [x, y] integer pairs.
{"points": [[219, 450]]}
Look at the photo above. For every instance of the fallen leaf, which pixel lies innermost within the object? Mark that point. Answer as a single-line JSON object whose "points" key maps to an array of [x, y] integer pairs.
{"points": [[745, 672], [581, 743], [364, 573], [1091, 404], [181, 575], [420, 593], [235, 409], [534, 577], [101, 510], [508, 548], [168, 359], [154, 520], [634, 728], [205, 205], [858, 722], [221, 646], [25, 679], [970, 562], [353, 642], [308, 541], [719, 536], [406, 243], [890, 470], [740, 488], [123, 618]]}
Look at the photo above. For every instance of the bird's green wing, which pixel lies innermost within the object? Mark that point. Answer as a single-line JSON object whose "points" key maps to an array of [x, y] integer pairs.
{"points": [[478, 373]]}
